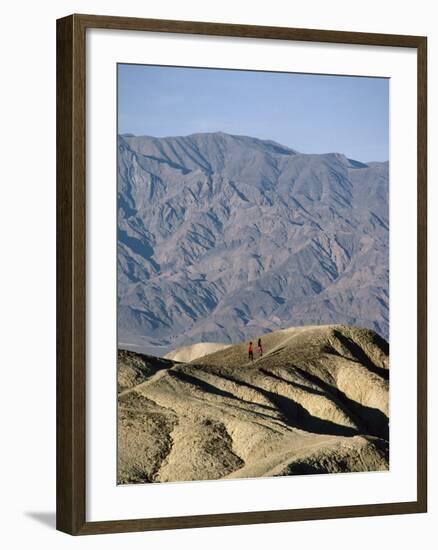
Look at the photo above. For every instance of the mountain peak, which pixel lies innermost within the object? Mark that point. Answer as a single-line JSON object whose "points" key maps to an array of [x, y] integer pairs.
{"points": [[220, 138], [224, 236]]}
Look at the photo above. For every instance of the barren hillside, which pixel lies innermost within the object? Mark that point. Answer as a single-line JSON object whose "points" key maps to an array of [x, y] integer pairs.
{"points": [[316, 402], [223, 236]]}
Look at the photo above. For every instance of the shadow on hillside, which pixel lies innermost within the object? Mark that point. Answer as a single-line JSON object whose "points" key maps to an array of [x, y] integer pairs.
{"points": [[295, 415], [361, 356], [374, 420], [210, 388]]}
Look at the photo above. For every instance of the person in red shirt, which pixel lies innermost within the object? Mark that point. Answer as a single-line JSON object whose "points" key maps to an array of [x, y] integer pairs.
{"points": [[250, 352]]}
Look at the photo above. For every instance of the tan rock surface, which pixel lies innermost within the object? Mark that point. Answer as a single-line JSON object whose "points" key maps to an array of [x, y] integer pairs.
{"points": [[316, 402], [195, 351]]}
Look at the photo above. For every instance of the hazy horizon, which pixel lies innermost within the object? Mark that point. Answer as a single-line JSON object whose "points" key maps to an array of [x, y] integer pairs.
{"points": [[313, 114]]}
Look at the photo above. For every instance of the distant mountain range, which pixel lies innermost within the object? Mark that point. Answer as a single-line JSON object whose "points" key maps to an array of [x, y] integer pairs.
{"points": [[222, 238]]}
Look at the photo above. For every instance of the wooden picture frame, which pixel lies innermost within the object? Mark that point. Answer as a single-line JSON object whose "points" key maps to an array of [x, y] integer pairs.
{"points": [[71, 273]]}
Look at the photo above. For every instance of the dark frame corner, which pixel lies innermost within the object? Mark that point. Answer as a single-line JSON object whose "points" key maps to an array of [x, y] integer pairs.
{"points": [[71, 232]]}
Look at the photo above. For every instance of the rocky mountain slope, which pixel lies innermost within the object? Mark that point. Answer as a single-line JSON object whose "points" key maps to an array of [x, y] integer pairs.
{"points": [[315, 402], [222, 237]]}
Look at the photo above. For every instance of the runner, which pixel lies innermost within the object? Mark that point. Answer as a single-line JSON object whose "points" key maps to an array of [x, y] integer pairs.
{"points": [[259, 347], [250, 353]]}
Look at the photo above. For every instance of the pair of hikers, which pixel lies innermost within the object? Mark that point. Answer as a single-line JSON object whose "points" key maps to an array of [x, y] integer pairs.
{"points": [[259, 350]]}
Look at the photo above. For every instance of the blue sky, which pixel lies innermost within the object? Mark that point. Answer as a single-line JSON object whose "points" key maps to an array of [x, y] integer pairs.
{"points": [[310, 113]]}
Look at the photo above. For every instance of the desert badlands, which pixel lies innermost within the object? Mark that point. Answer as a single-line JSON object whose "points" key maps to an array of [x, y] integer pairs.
{"points": [[315, 402]]}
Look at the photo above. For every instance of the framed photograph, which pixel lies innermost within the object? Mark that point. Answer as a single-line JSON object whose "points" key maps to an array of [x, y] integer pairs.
{"points": [[241, 274]]}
